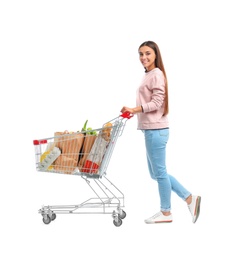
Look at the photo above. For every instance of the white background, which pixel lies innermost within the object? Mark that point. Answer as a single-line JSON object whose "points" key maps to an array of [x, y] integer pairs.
{"points": [[63, 62]]}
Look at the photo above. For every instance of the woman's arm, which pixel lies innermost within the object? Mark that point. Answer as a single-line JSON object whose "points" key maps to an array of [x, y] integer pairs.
{"points": [[134, 110]]}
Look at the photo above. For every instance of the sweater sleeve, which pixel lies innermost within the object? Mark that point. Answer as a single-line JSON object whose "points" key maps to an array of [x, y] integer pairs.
{"points": [[156, 85]]}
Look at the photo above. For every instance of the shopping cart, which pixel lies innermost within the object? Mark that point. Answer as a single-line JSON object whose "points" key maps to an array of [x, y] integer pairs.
{"points": [[86, 154]]}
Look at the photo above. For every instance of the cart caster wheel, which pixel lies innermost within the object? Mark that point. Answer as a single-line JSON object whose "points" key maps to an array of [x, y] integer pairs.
{"points": [[53, 217], [122, 215], [118, 222], [46, 219]]}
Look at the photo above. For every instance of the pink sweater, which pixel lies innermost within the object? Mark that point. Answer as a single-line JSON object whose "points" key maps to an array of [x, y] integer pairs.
{"points": [[150, 95]]}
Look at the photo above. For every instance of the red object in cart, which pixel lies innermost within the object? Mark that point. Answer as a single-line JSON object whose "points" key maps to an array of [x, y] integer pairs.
{"points": [[90, 167]]}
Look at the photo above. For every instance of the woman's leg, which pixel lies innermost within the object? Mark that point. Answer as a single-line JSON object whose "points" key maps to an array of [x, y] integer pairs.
{"points": [[155, 141], [178, 188]]}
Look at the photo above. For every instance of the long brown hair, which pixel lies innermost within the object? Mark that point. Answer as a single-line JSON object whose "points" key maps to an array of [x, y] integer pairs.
{"points": [[159, 64]]}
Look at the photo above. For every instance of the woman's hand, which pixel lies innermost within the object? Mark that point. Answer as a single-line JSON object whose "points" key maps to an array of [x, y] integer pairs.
{"points": [[127, 109]]}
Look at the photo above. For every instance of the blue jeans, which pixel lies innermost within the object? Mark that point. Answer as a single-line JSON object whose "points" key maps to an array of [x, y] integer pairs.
{"points": [[156, 141]]}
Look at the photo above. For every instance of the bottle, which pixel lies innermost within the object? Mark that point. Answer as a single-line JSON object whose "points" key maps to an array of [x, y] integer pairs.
{"points": [[37, 146]]}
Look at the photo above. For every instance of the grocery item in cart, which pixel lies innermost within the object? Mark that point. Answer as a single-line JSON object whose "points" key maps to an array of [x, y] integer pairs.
{"points": [[48, 157], [69, 144], [65, 164], [106, 132], [89, 140], [98, 149]]}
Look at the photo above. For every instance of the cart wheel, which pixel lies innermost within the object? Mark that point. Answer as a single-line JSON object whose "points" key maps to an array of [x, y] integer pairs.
{"points": [[118, 222], [53, 217], [46, 219], [122, 215]]}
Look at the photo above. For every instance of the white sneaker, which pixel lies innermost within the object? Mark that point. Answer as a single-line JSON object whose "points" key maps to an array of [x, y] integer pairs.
{"points": [[194, 207], [159, 218]]}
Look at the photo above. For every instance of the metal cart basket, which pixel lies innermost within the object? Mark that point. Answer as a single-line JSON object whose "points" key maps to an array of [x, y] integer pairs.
{"points": [[85, 154]]}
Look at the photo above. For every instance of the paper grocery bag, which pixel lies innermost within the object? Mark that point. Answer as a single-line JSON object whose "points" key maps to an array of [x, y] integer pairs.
{"points": [[65, 164], [86, 148], [95, 156], [69, 144]]}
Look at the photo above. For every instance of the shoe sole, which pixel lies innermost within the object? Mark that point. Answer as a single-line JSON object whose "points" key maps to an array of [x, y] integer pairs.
{"points": [[197, 208], [160, 222]]}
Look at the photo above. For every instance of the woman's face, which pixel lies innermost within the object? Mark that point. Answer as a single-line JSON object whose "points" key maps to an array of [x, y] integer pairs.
{"points": [[147, 57]]}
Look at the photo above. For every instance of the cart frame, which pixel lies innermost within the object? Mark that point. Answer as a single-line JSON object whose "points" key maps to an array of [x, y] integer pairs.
{"points": [[108, 198]]}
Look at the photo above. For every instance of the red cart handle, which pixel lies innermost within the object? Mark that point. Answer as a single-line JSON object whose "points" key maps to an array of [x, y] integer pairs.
{"points": [[126, 115]]}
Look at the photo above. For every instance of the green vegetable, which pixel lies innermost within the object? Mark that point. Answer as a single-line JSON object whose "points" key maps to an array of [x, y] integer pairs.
{"points": [[89, 129], [85, 126], [91, 132]]}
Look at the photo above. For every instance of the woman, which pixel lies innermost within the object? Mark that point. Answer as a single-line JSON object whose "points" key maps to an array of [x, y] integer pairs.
{"points": [[152, 110]]}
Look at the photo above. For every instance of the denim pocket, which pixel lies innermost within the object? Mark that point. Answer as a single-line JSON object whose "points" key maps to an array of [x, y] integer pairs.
{"points": [[164, 132]]}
